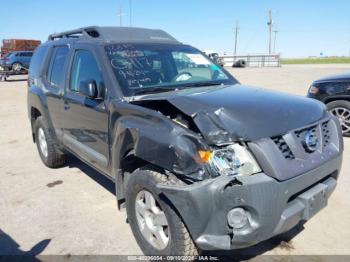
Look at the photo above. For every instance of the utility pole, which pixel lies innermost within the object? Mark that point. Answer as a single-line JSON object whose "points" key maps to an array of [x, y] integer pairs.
{"points": [[130, 12], [236, 29], [274, 41], [120, 14], [269, 23]]}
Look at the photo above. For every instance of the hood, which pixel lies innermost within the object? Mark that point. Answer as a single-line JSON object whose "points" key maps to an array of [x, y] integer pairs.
{"points": [[231, 113], [341, 77]]}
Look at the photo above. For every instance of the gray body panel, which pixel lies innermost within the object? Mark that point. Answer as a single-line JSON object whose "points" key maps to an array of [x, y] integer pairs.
{"points": [[275, 206]]}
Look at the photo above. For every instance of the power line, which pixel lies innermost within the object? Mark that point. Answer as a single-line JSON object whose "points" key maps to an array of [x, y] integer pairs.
{"points": [[236, 29]]}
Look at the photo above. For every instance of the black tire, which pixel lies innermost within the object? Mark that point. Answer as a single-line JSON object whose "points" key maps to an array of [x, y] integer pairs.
{"points": [[16, 67], [54, 158], [180, 242], [339, 104], [242, 63]]}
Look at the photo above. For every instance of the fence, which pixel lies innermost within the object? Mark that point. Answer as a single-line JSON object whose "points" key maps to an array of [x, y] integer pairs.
{"points": [[254, 60]]}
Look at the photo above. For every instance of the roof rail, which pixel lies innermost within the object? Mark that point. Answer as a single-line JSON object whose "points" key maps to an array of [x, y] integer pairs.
{"points": [[91, 31], [117, 34]]}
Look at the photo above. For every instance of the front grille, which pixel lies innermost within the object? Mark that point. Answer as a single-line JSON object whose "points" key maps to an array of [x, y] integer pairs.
{"points": [[300, 137], [282, 145], [326, 133]]}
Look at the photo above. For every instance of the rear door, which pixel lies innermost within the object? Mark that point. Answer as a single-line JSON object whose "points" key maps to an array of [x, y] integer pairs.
{"points": [[26, 59], [54, 82], [21, 57], [85, 120]]}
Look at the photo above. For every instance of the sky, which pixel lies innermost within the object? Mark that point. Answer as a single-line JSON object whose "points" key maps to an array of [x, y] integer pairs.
{"points": [[305, 28]]}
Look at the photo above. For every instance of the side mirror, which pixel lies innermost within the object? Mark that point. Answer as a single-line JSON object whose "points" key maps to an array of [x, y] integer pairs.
{"points": [[88, 88]]}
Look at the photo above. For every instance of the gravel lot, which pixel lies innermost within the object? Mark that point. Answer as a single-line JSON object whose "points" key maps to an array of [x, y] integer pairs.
{"points": [[72, 210]]}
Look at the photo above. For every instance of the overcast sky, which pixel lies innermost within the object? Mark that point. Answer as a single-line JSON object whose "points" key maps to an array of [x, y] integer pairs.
{"points": [[306, 28]]}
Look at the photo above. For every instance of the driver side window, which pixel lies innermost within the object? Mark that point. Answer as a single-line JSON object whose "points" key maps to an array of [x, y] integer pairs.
{"points": [[84, 68]]}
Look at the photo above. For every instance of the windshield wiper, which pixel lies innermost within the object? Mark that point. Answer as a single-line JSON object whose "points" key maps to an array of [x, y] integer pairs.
{"points": [[158, 89], [203, 84]]}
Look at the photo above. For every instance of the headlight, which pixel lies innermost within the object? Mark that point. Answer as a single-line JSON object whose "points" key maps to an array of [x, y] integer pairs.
{"points": [[314, 90], [231, 161]]}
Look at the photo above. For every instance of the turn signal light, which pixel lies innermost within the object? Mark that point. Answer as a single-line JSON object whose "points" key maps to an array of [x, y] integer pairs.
{"points": [[205, 155]]}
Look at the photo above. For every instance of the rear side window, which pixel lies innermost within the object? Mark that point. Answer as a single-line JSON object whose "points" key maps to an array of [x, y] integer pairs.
{"points": [[27, 54], [84, 68], [37, 61], [57, 66]]}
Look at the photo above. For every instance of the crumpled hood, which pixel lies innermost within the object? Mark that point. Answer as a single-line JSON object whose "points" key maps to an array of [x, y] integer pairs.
{"points": [[232, 113]]}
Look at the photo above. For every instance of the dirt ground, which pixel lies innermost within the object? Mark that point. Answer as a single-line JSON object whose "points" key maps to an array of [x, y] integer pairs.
{"points": [[73, 210]]}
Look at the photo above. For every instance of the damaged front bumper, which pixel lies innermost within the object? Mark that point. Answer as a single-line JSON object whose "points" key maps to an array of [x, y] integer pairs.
{"points": [[273, 206]]}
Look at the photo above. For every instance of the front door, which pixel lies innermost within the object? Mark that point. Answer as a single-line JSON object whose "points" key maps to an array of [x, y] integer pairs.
{"points": [[85, 120]]}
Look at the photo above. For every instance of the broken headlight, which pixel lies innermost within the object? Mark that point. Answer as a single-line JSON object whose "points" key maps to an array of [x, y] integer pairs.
{"points": [[231, 161]]}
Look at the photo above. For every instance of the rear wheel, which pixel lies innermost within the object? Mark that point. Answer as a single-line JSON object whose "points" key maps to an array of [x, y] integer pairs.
{"points": [[17, 67], [341, 110], [47, 149], [156, 226]]}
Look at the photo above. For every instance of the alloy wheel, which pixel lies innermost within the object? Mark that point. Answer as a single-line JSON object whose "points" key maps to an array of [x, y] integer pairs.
{"points": [[343, 114], [151, 220], [16, 67], [42, 142]]}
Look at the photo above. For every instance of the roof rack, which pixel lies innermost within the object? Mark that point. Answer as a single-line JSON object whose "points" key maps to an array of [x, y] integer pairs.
{"points": [[117, 34], [90, 31]]}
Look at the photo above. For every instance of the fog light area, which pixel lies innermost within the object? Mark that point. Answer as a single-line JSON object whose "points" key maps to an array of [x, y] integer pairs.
{"points": [[237, 218]]}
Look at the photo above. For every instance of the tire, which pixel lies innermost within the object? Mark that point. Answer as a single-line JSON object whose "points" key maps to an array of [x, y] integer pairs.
{"points": [[179, 240], [242, 63], [341, 110], [51, 157], [16, 67]]}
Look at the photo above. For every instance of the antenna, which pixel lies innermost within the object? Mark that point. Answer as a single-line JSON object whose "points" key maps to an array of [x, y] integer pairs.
{"points": [[270, 24], [236, 29]]}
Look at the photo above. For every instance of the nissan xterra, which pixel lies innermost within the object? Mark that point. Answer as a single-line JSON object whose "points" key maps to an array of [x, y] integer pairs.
{"points": [[200, 161]]}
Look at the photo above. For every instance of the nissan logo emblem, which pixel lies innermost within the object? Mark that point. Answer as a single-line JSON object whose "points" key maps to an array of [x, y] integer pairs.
{"points": [[310, 141]]}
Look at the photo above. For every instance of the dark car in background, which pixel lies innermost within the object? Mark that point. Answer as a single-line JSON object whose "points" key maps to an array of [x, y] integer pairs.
{"points": [[16, 61], [334, 91]]}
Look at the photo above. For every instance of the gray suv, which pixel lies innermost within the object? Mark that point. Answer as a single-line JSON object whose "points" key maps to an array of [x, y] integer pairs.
{"points": [[199, 161]]}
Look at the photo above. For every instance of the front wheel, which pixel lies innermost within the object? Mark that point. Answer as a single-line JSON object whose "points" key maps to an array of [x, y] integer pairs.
{"points": [[341, 110], [157, 228]]}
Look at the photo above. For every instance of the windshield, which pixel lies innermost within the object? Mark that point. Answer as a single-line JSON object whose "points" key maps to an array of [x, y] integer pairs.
{"points": [[141, 68]]}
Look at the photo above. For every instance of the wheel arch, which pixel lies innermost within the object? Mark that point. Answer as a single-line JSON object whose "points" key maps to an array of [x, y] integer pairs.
{"points": [[336, 98], [128, 164], [34, 114], [134, 147]]}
